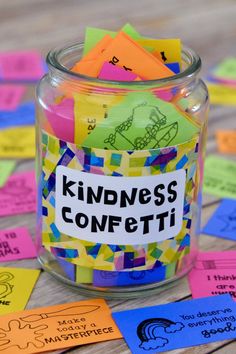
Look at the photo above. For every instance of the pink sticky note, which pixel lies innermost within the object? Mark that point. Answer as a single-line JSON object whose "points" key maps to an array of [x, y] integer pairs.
{"points": [[10, 96], [61, 118], [214, 274], [16, 244], [18, 196], [21, 65], [115, 73]]}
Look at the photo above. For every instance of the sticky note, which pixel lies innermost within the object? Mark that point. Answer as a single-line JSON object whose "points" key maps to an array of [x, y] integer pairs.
{"points": [[90, 110], [16, 285], [97, 49], [6, 168], [61, 115], [107, 278], [56, 327], [16, 244], [219, 177], [23, 115], [17, 142], [10, 96], [226, 141], [94, 35], [175, 67], [18, 196], [221, 94], [141, 121], [166, 50], [178, 325], [21, 66], [223, 221], [225, 69], [126, 53], [113, 72], [214, 274]]}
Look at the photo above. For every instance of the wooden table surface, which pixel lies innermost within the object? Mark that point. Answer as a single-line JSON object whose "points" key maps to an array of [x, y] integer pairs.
{"points": [[207, 26]]}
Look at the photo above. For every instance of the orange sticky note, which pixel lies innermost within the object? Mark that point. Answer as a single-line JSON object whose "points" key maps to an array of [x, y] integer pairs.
{"points": [[226, 141], [86, 64], [56, 327], [126, 53]]}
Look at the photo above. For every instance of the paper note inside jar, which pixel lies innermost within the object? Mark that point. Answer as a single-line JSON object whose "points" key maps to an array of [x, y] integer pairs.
{"points": [[142, 122]]}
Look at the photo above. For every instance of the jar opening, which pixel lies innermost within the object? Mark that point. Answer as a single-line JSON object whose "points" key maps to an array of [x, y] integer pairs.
{"points": [[61, 60]]}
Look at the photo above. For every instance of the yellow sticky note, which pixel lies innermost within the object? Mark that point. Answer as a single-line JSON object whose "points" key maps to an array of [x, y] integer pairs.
{"points": [[167, 50], [16, 285], [17, 142], [220, 94], [89, 110]]}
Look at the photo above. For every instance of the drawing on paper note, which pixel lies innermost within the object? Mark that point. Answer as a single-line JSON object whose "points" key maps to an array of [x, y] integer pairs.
{"points": [[156, 134], [150, 329], [29, 335], [5, 287]]}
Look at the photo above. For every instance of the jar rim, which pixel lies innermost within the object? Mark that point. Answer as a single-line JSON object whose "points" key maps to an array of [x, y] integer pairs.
{"points": [[53, 61]]}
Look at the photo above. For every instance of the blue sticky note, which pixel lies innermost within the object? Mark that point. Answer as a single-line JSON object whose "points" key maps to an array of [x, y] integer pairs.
{"points": [[67, 267], [107, 278], [223, 221], [178, 325], [174, 67], [23, 115]]}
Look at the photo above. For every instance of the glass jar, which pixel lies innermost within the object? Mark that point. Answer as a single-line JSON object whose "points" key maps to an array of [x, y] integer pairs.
{"points": [[119, 173]]}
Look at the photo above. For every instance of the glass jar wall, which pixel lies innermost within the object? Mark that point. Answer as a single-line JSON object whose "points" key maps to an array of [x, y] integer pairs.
{"points": [[119, 173]]}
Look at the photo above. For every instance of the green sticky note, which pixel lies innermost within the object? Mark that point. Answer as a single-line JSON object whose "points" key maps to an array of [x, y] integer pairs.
{"points": [[84, 275], [226, 69], [142, 121], [219, 177], [94, 35], [6, 168]]}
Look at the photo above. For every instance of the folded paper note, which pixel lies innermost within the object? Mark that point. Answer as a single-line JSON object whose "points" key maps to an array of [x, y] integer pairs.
{"points": [[17, 142], [141, 122], [95, 35], [16, 285], [89, 111], [223, 222], [18, 196], [56, 327], [213, 274], [23, 115], [126, 53], [16, 244], [21, 66], [178, 325], [219, 177], [226, 141], [6, 168], [10, 96], [113, 72]]}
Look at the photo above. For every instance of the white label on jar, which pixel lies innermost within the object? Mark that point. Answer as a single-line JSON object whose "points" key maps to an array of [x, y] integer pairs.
{"points": [[119, 210]]}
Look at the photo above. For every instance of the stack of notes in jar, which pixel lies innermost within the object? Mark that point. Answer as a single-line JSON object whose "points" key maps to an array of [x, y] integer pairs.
{"points": [[113, 114]]}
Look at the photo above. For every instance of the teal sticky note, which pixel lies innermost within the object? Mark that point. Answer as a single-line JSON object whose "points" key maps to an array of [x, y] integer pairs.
{"points": [[140, 122]]}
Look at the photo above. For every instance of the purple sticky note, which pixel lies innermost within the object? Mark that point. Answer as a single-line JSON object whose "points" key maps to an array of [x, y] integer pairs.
{"points": [[61, 115], [107, 278], [21, 66], [115, 73], [16, 244], [223, 221], [178, 325], [68, 268]]}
